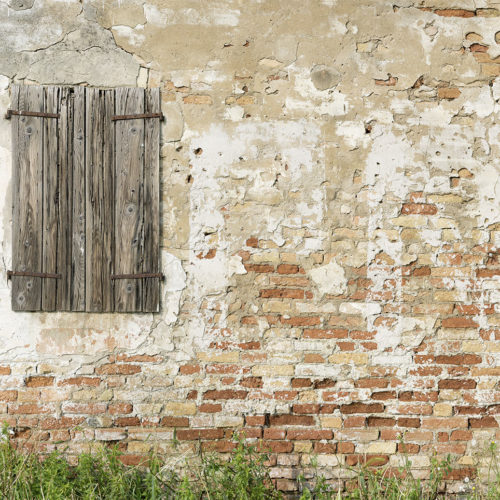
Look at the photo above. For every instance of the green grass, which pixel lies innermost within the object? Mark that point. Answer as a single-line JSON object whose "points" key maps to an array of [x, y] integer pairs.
{"points": [[242, 476]]}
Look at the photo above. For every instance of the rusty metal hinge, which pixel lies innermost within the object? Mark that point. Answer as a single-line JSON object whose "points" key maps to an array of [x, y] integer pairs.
{"points": [[11, 112], [33, 274], [138, 276], [139, 116]]}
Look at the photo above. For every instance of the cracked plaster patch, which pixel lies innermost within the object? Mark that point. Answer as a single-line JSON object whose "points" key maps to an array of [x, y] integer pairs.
{"points": [[330, 279]]}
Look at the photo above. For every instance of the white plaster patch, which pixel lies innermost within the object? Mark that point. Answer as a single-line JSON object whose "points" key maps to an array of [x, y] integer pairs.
{"points": [[363, 308], [133, 35], [175, 282], [330, 279], [235, 265], [155, 16]]}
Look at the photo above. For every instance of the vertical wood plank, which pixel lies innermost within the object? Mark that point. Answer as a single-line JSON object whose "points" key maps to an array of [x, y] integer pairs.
{"points": [[65, 176], [78, 195], [108, 175], [99, 199], [151, 238], [129, 160], [50, 198], [28, 196]]}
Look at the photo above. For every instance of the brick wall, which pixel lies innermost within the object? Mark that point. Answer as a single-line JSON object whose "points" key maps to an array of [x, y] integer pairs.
{"points": [[330, 236]]}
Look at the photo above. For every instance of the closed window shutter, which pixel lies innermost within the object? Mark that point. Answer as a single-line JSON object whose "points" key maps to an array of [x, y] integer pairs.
{"points": [[85, 199]]}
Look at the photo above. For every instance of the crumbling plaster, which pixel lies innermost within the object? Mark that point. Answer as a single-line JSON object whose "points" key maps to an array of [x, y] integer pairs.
{"points": [[304, 125]]}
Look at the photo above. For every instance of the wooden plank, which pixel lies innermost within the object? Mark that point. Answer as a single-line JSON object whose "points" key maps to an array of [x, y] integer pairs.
{"points": [[129, 160], [65, 176], [151, 238], [108, 201], [78, 198], [50, 198], [99, 200], [27, 134]]}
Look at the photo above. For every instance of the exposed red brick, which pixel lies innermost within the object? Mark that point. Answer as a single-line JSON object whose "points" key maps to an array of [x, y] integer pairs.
{"points": [[459, 322], [408, 422], [60, 423], [362, 408], [259, 268], [8, 395], [419, 208], [126, 421], [27, 409], [255, 420], [120, 408], [5, 370], [193, 434], [288, 269], [252, 382], [273, 433], [383, 395], [210, 408], [487, 273], [457, 384], [448, 93], [455, 13], [408, 448], [275, 446], [252, 242], [138, 358], [278, 420], [81, 381], [133, 459], [478, 423], [380, 383], [418, 396], [315, 333], [301, 382], [369, 460], [117, 369], [225, 394], [461, 435], [38, 381], [325, 383], [218, 446], [174, 422], [189, 369], [282, 293], [329, 448], [381, 422], [301, 320]]}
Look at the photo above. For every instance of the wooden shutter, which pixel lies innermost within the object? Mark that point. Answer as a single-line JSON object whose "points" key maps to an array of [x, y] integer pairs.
{"points": [[85, 199]]}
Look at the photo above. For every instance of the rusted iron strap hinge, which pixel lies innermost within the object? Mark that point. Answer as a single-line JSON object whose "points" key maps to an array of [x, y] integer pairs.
{"points": [[34, 275], [138, 276], [136, 117], [11, 112]]}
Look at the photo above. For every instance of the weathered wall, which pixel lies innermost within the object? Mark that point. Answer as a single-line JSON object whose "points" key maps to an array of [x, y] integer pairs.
{"points": [[330, 231]]}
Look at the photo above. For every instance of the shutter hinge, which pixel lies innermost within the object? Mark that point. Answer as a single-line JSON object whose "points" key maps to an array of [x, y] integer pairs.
{"points": [[138, 276], [33, 274], [136, 117], [11, 112]]}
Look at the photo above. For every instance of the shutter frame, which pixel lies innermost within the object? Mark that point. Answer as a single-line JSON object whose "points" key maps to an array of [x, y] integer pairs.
{"points": [[74, 177]]}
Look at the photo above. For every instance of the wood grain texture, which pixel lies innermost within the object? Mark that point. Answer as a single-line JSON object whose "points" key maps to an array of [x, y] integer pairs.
{"points": [[50, 197], [151, 234], [99, 200], [65, 205], [78, 202], [27, 197], [85, 199], [129, 166]]}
